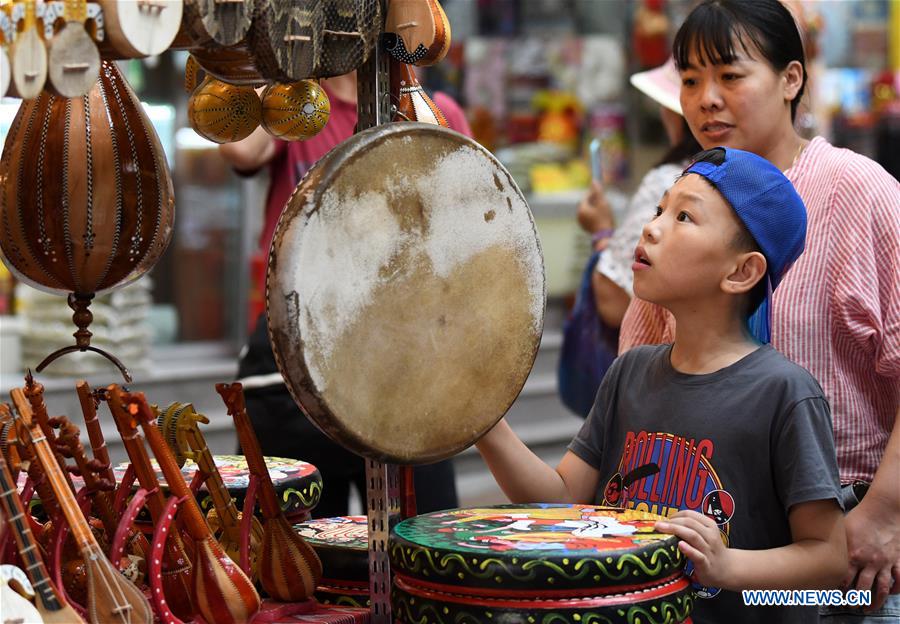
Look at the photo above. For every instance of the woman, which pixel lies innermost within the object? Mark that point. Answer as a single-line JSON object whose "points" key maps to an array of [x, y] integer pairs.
{"points": [[837, 312], [612, 280]]}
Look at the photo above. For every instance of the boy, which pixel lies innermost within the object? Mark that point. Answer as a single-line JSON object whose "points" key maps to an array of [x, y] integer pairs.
{"points": [[717, 431]]}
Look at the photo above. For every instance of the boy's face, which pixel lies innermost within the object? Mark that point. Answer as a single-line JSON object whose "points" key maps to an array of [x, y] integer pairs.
{"points": [[686, 250]]}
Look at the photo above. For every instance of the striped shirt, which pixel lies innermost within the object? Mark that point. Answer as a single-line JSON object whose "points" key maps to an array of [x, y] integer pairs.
{"points": [[837, 311]]}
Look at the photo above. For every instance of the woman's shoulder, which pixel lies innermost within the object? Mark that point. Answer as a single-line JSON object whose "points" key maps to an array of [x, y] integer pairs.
{"points": [[826, 160]]}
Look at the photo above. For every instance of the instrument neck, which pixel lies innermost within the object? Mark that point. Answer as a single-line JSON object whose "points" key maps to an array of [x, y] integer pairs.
{"points": [[224, 504], [75, 11], [268, 500]]}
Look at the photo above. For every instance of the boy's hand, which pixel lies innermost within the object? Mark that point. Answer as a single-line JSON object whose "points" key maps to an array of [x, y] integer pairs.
{"points": [[701, 542]]}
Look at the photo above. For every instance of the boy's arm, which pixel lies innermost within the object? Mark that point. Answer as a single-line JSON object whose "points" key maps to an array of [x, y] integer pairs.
{"points": [[250, 154], [817, 558], [525, 478]]}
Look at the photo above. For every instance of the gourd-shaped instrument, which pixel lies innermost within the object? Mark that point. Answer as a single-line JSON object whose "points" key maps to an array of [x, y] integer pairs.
{"points": [[417, 32], [222, 592], [177, 571], [86, 201], [218, 111], [73, 60], [289, 568], [296, 111], [410, 99], [28, 55], [138, 28], [179, 424], [50, 604], [111, 597]]}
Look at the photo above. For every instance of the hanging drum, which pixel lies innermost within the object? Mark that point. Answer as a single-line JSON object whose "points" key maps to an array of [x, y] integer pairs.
{"points": [[405, 292], [86, 200]]}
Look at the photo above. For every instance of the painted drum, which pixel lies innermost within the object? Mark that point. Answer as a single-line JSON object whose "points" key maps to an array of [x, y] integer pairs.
{"points": [[405, 292], [537, 563], [342, 544], [298, 484]]}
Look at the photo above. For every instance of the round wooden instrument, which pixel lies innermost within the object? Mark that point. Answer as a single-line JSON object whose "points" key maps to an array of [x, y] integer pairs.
{"points": [[286, 38], [216, 23], [405, 292], [28, 55], [296, 111], [223, 112], [342, 544], [73, 59], [537, 563], [349, 31], [234, 64], [138, 28], [86, 200]]}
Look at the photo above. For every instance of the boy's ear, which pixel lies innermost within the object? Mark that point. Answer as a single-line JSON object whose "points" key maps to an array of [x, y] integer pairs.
{"points": [[751, 267]]}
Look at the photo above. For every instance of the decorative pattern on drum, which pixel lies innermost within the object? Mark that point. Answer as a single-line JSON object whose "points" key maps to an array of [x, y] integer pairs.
{"points": [[559, 563], [342, 544], [295, 112], [222, 112], [86, 201], [405, 292]]}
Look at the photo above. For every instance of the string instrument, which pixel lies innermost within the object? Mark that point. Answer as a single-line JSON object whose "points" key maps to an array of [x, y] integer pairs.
{"points": [[286, 38], [34, 392], [180, 426], [5, 70], [28, 55], [16, 594], [222, 591], [296, 111], [48, 601], [289, 568], [223, 112], [214, 23], [73, 59], [139, 28], [410, 99], [89, 402], [111, 598], [417, 32], [177, 571], [99, 488]]}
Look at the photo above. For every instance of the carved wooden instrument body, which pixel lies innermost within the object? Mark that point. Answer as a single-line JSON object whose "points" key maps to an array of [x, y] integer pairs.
{"points": [[179, 424], [73, 60], [48, 601], [214, 23], [111, 597], [296, 111], [223, 112], [177, 571], [289, 568], [86, 200], [286, 38], [222, 592], [417, 32], [15, 604], [413, 103], [28, 55], [139, 28]]}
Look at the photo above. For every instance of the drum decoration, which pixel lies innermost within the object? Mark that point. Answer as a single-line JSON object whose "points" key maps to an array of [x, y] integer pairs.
{"points": [[417, 32], [437, 317], [295, 112], [537, 563], [342, 544], [86, 202], [221, 112]]}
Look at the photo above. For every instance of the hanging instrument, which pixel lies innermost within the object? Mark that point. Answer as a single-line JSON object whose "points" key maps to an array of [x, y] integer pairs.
{"points": [[28, 55], [417, 32], [139, 28], [73, 60]]}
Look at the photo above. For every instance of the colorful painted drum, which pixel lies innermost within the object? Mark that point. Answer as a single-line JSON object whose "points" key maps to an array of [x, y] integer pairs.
{"points": [[298, 484], [342, 544], [537, 563]]}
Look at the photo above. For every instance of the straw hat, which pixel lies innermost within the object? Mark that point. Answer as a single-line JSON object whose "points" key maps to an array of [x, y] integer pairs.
{"points": [[661, 84]]}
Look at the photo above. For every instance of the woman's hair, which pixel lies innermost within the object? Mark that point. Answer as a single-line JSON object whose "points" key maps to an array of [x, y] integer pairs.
{"points": [[682, 151], [716, 27]]}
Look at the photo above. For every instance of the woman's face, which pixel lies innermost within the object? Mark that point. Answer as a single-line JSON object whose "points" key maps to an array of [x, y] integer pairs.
{"points": [[744, 104]]}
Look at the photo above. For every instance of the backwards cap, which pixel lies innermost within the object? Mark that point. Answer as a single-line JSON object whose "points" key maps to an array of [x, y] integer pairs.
{"points": [[769, 207]]}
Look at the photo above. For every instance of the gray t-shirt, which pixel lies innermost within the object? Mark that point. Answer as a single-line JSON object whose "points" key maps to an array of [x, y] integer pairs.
{"points": [[740, 445]]}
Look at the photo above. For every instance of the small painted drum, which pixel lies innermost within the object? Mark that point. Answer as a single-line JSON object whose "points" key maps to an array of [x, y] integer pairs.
{"points": [[342, 544], [405, 292], [537, 563]]}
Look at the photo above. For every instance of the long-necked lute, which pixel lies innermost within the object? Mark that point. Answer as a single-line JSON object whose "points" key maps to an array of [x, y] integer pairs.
{"points": [[49, 602], [177, 570], [222, 592], [289, 568], [112, 599]]}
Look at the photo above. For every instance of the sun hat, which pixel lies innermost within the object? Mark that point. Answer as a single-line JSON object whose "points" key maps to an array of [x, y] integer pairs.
{"points": [[769, 207], [661, 84]]}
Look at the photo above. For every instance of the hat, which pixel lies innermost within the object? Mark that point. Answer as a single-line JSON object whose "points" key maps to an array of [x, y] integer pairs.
{"points": [[769, 207], [662, 85]]}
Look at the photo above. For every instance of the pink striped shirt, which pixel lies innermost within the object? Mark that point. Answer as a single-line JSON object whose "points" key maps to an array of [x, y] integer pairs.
{"points": [[837, 311]]}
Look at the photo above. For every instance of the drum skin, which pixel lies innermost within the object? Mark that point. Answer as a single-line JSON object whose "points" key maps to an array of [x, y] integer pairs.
{"points": [[85, 193], [553, 562], [405, 293]]}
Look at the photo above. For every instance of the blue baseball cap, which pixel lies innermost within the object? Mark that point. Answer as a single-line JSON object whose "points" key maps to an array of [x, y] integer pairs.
{"points": [[769, 207]]}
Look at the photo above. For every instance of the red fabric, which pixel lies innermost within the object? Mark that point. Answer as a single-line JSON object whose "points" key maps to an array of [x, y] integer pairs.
{"points": [[837, 311]]}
